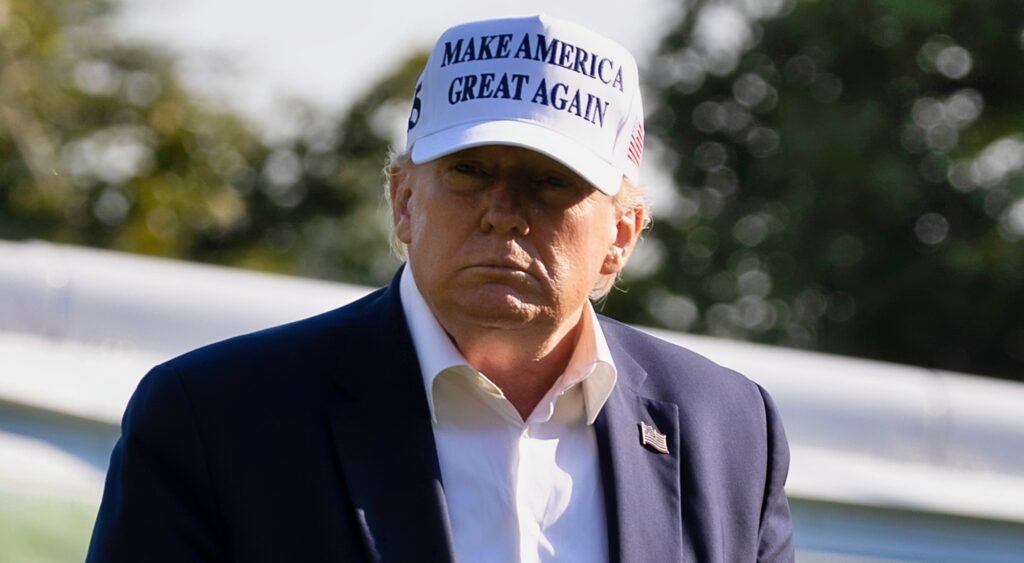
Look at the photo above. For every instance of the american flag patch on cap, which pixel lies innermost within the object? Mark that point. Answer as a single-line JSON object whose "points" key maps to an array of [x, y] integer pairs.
{"points": [[635, 150]]}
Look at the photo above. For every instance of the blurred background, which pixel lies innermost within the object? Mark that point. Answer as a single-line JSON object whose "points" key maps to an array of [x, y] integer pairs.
{"points": [[838, 191]]}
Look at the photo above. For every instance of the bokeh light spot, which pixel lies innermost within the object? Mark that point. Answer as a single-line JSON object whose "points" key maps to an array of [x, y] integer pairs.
{"points": [[931, 228], [954, 62]]}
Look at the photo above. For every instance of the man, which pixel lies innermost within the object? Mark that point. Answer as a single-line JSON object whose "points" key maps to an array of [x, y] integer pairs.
{"points": [[477, 409]]}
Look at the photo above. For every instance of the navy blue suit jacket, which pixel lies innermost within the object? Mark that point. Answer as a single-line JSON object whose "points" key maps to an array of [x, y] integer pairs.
{"points": [[313, 442]]}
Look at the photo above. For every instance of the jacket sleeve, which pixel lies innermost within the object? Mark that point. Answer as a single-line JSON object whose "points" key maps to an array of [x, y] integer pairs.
{"points": [[775, 537], [158, 502]]}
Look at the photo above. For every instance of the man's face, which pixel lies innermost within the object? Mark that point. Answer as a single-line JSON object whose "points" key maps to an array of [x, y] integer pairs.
{"points": [[506, 237]]}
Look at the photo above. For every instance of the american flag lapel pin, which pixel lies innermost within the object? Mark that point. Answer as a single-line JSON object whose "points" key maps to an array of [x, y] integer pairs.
{"points": [[650, 437]]}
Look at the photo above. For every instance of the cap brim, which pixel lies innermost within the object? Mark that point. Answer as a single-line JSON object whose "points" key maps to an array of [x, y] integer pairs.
{"points": [[593, 169]]}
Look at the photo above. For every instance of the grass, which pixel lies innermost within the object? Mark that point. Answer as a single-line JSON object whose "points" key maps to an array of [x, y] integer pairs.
{"points": [[43, 530]]}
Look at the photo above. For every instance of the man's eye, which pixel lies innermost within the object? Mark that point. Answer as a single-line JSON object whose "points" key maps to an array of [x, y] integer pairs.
{"points": [[467, 168], [558, 190], [555, 181], [564, 186], [466, 176]]}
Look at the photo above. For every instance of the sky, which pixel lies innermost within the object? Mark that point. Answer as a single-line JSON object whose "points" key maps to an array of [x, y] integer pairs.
{"points": [[252, 54]]}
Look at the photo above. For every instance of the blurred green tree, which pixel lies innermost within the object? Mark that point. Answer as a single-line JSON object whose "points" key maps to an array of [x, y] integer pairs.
{"points": [[849, 176], [100, 145]]}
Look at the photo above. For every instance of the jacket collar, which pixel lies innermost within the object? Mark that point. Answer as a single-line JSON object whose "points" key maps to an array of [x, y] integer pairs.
{"points": [[643, 496], [383, 437]]}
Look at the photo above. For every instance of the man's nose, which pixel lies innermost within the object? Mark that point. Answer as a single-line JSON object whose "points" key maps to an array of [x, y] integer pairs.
{"points": [[505, 210]]}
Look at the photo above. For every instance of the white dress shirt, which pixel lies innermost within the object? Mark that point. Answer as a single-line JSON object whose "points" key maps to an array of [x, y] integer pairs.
{"points": [[517, 491]]}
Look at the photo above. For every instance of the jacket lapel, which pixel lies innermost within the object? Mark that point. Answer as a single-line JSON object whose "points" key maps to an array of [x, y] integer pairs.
{"points": [[642, 485], [385, 442]]}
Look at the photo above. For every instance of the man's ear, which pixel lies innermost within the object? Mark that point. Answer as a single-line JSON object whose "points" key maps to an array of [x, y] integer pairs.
{"points": [[399, 188], [628, 227]]}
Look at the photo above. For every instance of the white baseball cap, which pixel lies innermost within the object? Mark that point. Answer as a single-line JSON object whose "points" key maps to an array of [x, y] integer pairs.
{"points": [[536, 82]]}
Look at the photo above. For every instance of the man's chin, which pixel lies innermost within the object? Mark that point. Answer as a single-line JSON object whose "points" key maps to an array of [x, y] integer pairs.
{"points": [[503, 305], [517, 279]]}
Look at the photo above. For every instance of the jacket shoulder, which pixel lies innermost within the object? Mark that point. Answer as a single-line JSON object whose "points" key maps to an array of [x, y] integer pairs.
{"points": [[650, 350], [284, 350], [674, 371]]}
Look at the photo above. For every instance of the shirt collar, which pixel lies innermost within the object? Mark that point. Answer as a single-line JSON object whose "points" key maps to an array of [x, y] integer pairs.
{"points": [[591, 362], [434, 348], [598, 385]]}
